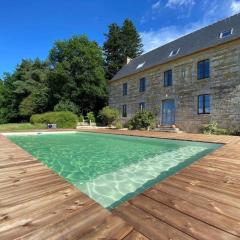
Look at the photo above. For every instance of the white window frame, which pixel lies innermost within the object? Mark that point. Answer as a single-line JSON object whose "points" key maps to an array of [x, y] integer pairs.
{"points": [[172, 53], [140, 65], [221, 33]]}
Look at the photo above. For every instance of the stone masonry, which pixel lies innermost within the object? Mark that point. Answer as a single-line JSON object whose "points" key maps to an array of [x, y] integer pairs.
{"points": [[223, 85]]}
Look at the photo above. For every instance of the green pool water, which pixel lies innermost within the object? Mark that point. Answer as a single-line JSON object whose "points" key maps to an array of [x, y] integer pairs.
{"points": [[112, 168]]}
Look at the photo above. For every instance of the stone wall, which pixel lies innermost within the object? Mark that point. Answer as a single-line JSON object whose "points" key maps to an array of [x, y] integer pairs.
{"points": [[223, 86]]}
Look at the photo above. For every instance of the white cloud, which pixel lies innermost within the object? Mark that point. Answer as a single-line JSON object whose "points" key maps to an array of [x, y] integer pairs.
{"points": [[235, 7], [156, 5], [214, 10], [180, 3], [156, 38]]}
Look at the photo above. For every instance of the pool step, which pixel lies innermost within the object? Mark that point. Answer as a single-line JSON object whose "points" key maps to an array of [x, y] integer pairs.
{"points": [[168, 129]]}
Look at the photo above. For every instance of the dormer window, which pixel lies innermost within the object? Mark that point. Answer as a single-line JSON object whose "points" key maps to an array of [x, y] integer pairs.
{"points": [[226, 33], [174, 52], [140, 65]]}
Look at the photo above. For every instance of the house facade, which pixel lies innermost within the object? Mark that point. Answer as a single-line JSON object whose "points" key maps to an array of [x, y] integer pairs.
{"points": [[189, 82]]}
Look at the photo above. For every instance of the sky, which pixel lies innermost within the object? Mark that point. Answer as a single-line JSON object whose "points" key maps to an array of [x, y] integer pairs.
{"points": [[29, 28]]}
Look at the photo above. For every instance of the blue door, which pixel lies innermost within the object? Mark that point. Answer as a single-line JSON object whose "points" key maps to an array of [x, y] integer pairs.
{"points": [[168, 112]]}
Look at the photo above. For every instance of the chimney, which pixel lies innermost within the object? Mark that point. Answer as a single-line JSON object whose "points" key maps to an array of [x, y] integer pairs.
{"points": [[128, 60]]}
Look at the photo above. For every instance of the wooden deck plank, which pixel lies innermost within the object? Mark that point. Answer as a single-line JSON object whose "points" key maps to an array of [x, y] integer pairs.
{"points": [[112, 228], [135, 236], [149, 225], [211, 205], [215, 219], [185, 223], [213, 194]]}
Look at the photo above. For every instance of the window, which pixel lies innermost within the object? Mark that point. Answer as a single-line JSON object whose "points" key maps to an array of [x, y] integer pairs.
{"points": [[124, 89], [204, 104], [168, 78], [141, 106], [203, 69], [142, 85], [140, 65], [124, 110], [226, 33], [174, 52]]}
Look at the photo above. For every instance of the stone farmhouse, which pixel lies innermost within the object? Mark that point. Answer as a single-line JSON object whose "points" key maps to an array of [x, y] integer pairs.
{"points": [[188, 82]]}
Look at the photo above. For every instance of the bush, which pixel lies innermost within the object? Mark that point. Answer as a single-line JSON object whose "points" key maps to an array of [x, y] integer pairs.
{"points": [[109, 115], [235, 132], [91, 117], [62, 119], [66, 106], [213, 128], [81, 118], [118, 125], [142, 120]]}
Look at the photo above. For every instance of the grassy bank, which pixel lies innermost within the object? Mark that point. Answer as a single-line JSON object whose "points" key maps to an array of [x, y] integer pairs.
{"points": [[20, 126]]}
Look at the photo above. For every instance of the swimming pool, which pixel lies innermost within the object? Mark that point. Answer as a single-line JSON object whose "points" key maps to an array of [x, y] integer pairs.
{"points": [[112, 168]]}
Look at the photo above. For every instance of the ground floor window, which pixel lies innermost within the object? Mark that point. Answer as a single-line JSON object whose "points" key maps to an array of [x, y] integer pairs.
{"points": [[124, 110], [204, 104], [141, 106]]}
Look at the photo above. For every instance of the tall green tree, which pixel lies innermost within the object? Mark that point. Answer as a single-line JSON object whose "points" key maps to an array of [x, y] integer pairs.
{"points": [[121, 42], [77, 74], [25, 92], [112, 50], [30, 87], [8, 105], [131, 40]]}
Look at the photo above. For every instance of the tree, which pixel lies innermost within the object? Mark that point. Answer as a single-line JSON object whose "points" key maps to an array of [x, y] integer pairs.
{"points": [[112, 50], [8, 104], [66, 106], [131, 40], [121, 42], [77, 74], [30, 89], [24, 92]]}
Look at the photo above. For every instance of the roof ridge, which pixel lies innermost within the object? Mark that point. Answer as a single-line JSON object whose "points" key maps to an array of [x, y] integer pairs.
{"points": [[221, 20]]}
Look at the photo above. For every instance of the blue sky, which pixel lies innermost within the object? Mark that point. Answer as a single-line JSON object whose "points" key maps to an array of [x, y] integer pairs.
{"points": [[28, 28]]}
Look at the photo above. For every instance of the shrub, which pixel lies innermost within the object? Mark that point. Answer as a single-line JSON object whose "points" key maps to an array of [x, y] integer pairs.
{"points": [[213, 128], [142, 120], [91, 117], [235, 132], [66, 106], [109, 115], [118, 125], [62, 119], [81, 118]]}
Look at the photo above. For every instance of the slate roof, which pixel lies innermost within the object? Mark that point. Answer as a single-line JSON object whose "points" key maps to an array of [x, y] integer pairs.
{"points": [[201, 39]]}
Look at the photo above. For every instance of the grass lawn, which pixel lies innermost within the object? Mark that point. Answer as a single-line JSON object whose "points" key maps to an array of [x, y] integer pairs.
{"points": [[20, 126]]}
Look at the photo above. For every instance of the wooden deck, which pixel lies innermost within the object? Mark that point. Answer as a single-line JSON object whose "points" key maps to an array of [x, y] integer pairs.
{"points": [[200, 202]]}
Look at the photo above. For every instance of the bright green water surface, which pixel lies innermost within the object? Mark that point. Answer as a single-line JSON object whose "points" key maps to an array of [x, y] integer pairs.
{"points": [[112, 168]]}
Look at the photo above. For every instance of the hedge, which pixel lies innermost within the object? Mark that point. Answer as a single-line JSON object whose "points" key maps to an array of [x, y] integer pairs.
{"points": [[62, 119]]}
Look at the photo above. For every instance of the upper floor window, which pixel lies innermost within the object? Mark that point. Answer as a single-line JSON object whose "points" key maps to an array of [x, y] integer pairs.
{"points": [[125, 89], [174, 52], [124, 110], [204, 104], [142, 85], [226, 33], [141, 106], [168, 78], [203, 69]]}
